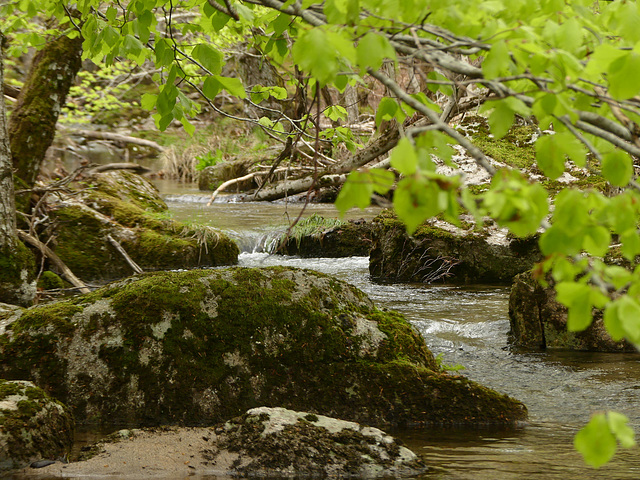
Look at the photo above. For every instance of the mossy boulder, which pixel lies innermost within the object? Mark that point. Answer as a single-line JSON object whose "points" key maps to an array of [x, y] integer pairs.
{"points": [[539, 321], [127, 208], [33, 426], [203, 346], [317, 236], [438, 251], [267, 442]]}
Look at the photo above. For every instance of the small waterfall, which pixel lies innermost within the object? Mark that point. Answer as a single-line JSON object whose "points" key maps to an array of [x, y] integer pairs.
{"points": [[256, 241]]}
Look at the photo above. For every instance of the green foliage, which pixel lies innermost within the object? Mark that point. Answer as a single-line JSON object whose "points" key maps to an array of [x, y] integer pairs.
{"points": [[209, 159], [446, 367], [597, 441], [569, 67]]}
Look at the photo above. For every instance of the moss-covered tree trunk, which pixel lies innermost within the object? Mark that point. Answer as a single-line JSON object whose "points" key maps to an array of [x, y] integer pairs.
{"points": [[16, 262], [33, 121]]}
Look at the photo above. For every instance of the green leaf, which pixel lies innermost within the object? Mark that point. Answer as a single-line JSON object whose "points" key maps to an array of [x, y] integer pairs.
{"points": [[372, 50], [356, 192], [336, 113], [500, 119], [597, 241], [595, 441], [549, 156], [617, 168], [387, 109], [132, 47], [630, 244], [415, 200], [188, 126], [622, 75], [445, 89], [404, 158], [577, 298], [620, 429], [497, 62], [612, 322], [382, 180], [164, 52], [313, 53], [208, 57], [211, 87], [629, 315], [148, 101], [233, 86]]}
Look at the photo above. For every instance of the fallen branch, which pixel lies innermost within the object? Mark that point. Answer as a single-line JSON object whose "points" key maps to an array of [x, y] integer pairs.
{"points": [[116, 137], [228, 183], [55, 259], [136, 268], [134, 167]]}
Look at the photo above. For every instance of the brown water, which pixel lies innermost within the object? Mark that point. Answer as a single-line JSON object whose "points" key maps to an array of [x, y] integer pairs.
{"points": [[468, 326]]}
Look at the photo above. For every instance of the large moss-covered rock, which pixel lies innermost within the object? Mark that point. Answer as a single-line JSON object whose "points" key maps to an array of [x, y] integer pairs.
{"points": [[539, 321], [439, 251], [33, 426], [204, 346], [317, 236], [128, 208]]}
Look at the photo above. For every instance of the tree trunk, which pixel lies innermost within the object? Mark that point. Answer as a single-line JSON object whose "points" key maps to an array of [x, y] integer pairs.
{"points": [[17, 265], [32, 125]]}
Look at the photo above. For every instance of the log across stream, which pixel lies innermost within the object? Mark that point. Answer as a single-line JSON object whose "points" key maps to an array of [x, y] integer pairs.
{"points": [[468, 326]]}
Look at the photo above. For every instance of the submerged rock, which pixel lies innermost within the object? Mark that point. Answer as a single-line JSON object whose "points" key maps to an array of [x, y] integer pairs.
{"points": [[441, 251], [33, 426], [317, 236], [203, 346], [539, 321], [127, 208]]}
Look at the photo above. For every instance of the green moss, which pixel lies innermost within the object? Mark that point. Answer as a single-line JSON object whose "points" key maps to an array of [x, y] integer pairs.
{"points": [[50, 281], [15, 260], [55, 315], [274, 336], [516, 148]]}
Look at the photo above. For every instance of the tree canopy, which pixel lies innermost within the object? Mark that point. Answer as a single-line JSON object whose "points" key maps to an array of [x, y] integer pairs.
{"points": [[567, 67]]}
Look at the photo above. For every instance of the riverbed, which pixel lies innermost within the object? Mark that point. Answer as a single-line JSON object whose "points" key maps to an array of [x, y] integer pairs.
{"points": [[469, 327]]}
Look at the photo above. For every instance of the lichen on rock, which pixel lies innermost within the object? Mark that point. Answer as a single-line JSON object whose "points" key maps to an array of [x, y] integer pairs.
{"points": [[269, 442], [33, 426], [203, 346]]}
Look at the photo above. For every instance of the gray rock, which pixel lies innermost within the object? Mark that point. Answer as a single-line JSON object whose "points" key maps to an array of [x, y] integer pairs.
{"points": [[268, 442], [442, 252], [539, 321], [203, 346], [33, 426]]}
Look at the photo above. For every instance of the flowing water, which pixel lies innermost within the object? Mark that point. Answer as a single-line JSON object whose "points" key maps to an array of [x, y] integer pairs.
{"points": [[468, 326]]}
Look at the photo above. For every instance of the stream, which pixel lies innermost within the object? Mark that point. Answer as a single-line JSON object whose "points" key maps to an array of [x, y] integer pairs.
{"points": [[468, 326]]}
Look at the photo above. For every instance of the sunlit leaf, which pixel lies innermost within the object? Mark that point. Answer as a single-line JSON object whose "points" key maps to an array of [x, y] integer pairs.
{"points": [[595, 441]]}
